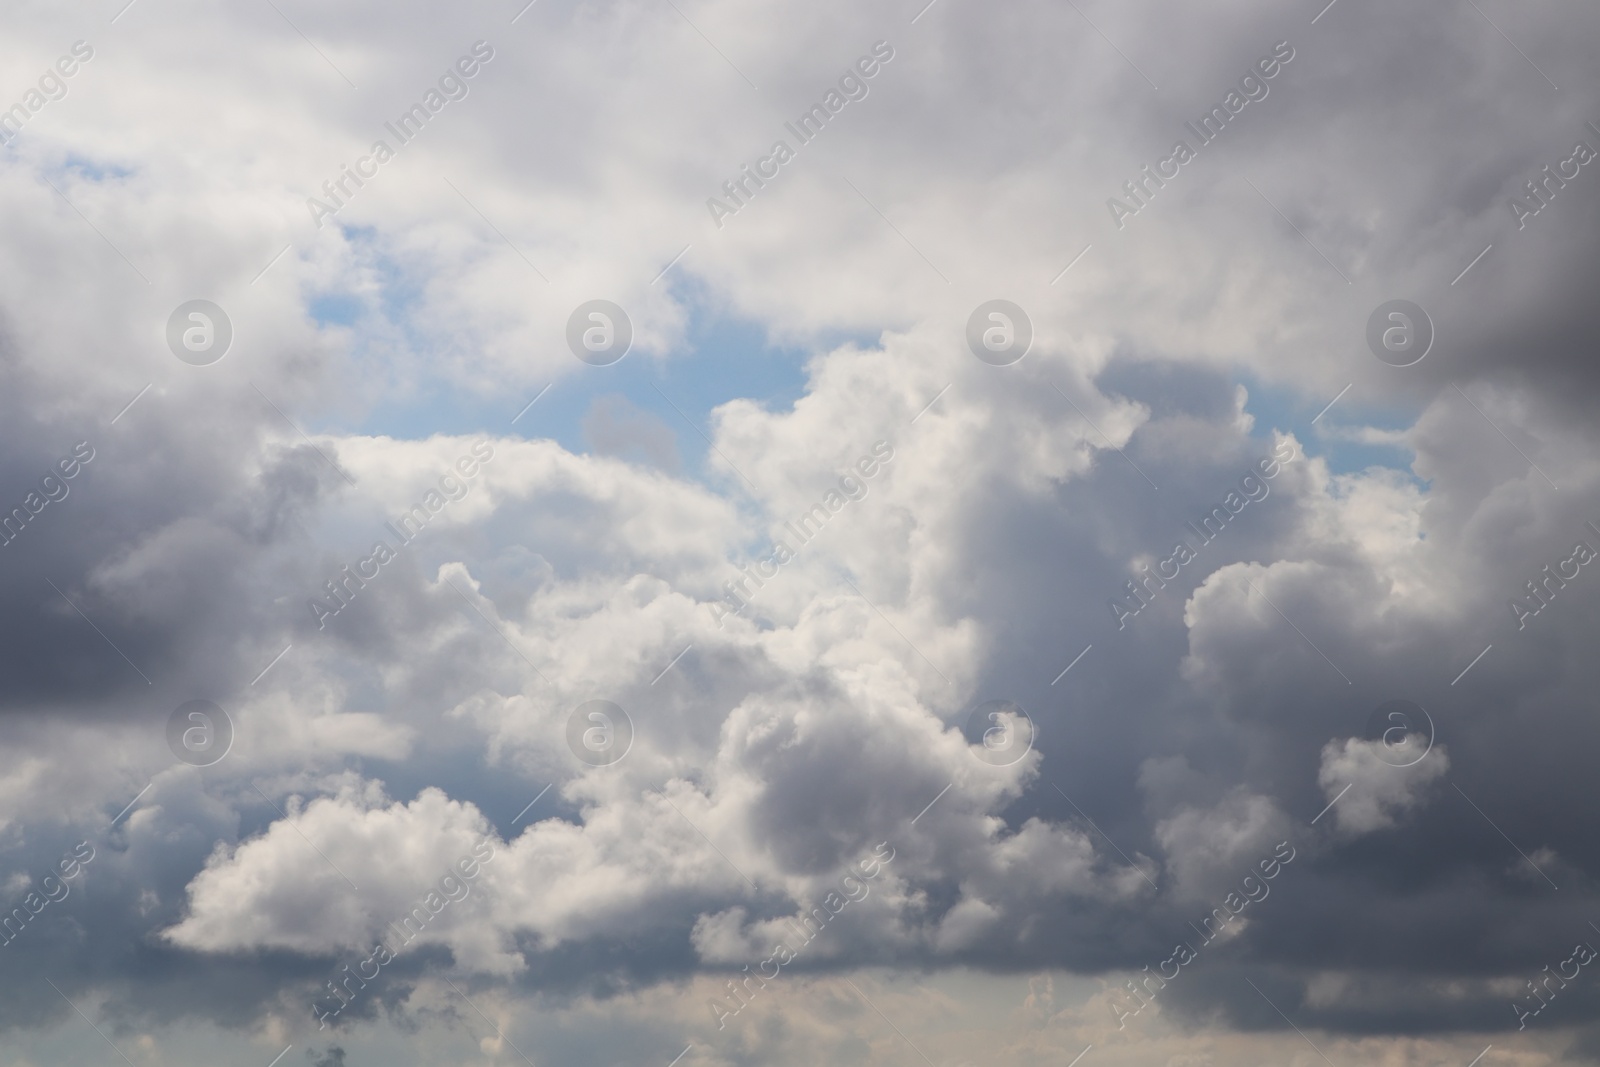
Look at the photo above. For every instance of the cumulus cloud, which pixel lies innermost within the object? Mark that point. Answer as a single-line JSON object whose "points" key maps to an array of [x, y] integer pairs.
{"points": [[283, 890], [1379, 792], [1209, 849]]}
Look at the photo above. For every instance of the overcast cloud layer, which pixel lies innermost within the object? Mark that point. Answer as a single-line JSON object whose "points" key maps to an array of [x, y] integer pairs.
{"points": [[849, 533]]}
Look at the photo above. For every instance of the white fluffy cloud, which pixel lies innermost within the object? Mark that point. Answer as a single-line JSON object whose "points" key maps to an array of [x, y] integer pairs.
{"points": [[1379, 791]]}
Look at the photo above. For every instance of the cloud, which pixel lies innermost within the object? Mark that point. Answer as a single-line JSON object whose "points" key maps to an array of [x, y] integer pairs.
{"points": [[833, 712], [1209, 850], [283, 891], [1379, 792]]}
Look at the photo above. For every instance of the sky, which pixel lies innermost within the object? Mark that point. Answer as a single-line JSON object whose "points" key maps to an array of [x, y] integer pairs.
{"points": [[681, 533]]}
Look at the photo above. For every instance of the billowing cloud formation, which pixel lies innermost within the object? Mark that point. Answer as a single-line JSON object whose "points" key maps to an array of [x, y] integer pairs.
{"points": [[404, 535]]}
